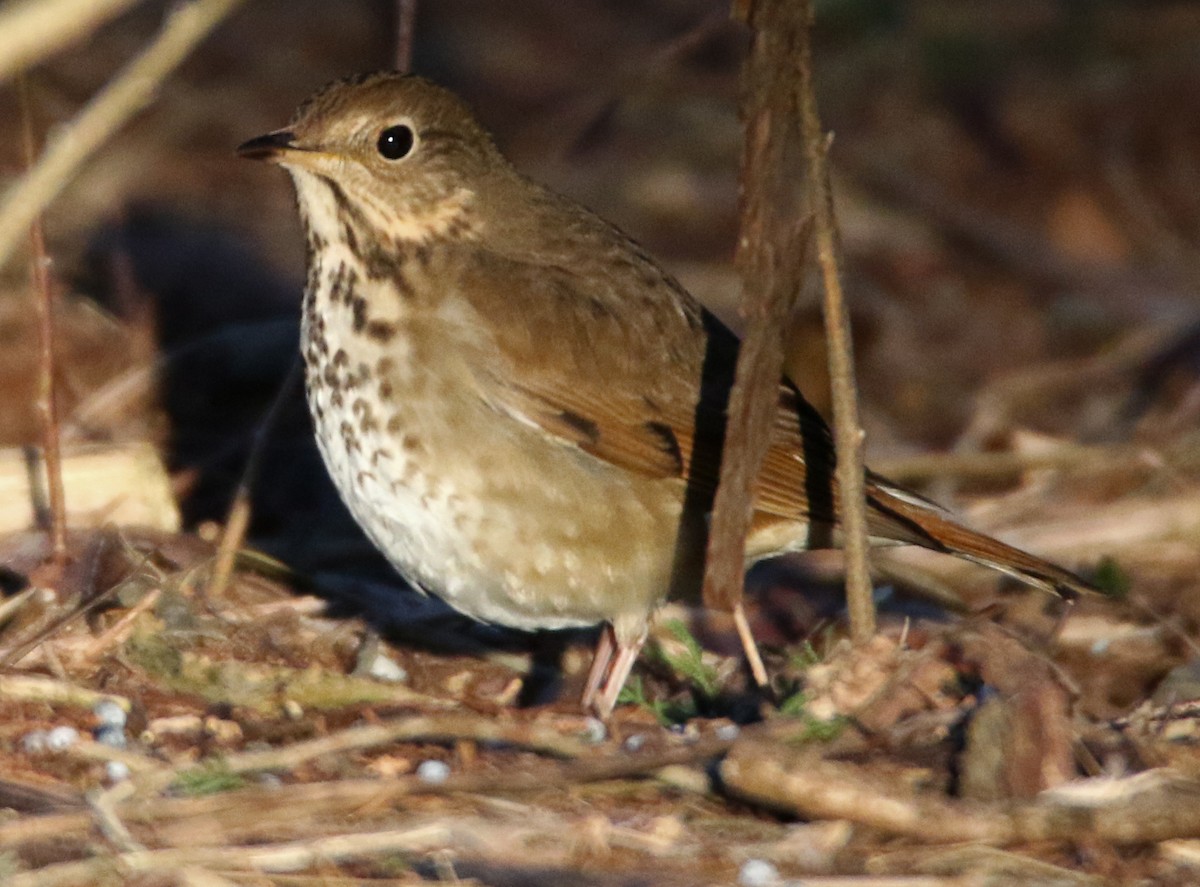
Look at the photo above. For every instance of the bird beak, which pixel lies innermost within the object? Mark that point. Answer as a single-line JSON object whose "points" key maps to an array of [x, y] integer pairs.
{"points": [[273, 147]]}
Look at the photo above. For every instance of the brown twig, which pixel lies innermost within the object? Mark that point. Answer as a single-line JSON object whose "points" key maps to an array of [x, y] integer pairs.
{"points": [[124, 96], [406, 25], [1151, 806], [424, 728], [47, 403], [770, 258], [33, 30], [847, 431]]}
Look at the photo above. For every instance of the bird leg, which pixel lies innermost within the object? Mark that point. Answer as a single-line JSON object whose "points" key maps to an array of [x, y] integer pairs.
{"points": [[600, 660], [627, 654], [609, 673]]}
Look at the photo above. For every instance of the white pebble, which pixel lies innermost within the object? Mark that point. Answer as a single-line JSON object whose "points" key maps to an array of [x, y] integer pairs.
{"points": [[109, 713], [34, 742], [727, 732], [116, 771], [594, 731], [386, 670], [61, 737], [758, 873], [635, 742], [433, 772], [113, 737], [269, 780]]}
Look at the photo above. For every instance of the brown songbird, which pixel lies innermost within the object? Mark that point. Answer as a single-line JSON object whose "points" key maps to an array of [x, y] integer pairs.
{"points": [[521, 408]]}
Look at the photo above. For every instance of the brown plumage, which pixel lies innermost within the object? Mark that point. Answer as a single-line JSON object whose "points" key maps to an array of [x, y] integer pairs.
{"points": [[520, 406]]}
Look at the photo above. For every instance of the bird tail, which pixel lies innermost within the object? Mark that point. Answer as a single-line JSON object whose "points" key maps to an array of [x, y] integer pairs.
{"points": [[911, 519]]}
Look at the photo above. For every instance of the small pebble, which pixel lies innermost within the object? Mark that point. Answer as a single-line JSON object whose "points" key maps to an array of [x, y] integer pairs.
{"points": [[109, 714], [635, 742], [433, 772], [758, 873], [727, 732], [113, 737], [61, 737], [594, 731], [385, 669], [34, 742], [269, 780], [116, 771]]}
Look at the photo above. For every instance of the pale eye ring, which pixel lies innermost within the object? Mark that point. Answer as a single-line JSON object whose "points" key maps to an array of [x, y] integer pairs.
{"points": [[396, 142]]}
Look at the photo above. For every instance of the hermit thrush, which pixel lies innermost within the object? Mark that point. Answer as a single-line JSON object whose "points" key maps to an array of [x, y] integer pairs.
{"points": [[519, 406]]}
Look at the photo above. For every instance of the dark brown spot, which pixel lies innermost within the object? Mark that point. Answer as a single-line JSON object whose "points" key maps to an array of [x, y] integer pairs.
{"points": [[385, 366], [341, 358], [582, 424], [668, 442], [359, 306], [394, 424], [381, 330], [378, 263], [403, 285], [385, 389], [350, 217]]}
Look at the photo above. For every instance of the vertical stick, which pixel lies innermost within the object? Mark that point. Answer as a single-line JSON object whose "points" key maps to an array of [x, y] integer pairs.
{"points": [[406, 24], [46, 404], [771, 253], [847, 432]]}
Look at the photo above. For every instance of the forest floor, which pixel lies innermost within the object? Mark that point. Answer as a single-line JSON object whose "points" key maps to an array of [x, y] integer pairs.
{"points": [[1018, 189]]}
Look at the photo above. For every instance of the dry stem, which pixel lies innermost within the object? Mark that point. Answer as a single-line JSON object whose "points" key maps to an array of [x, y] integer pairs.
{"points": [[33, 30], [770, 258], [47, 407], [847, 432], [406, 25], [124, 96]]}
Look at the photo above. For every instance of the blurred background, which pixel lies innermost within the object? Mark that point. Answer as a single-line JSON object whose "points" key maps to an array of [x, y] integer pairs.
{"points": [[1018, 187]]}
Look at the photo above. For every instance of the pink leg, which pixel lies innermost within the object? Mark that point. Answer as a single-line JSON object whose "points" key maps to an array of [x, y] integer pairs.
{"points": [[600, 663], [627, 654]]}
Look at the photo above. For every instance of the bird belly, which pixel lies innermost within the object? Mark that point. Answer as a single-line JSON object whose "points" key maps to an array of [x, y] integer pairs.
{"points": [[504, 524]]}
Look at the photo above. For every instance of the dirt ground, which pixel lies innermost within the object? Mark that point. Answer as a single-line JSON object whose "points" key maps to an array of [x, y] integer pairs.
{"points": [[1018, 191]]}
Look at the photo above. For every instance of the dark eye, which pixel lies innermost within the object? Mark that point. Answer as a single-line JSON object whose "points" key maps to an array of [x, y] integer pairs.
{"points": [[395, 142]]}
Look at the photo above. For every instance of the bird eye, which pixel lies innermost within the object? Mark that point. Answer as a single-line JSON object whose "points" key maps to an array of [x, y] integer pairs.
{"points": [[395, 142]]}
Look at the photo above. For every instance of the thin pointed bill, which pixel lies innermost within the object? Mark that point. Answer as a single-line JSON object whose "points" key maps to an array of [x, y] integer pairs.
{"points": [[273, 146]]}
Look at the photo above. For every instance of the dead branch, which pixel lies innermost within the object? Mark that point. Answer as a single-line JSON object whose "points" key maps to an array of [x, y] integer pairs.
{"points": [[1153, 806], [770, 257], [847, 431], [46, 402], [406, 26], [33, 30], [124, 96]]}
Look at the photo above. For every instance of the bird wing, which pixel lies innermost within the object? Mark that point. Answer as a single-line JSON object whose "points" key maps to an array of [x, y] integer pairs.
{"points": [[628, 367]]}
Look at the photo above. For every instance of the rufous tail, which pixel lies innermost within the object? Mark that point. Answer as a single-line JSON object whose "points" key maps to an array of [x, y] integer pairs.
{"points": [[906, 517]]}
